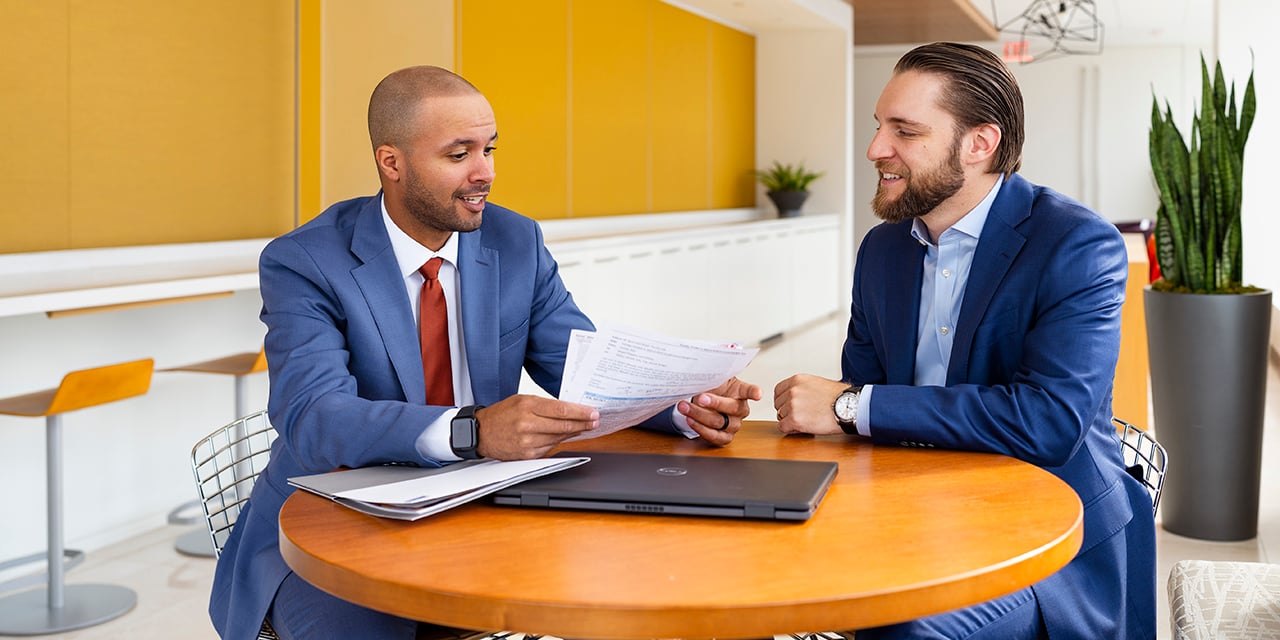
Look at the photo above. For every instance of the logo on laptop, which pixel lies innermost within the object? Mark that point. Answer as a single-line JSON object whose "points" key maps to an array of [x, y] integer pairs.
{"points": [[672, 471]]}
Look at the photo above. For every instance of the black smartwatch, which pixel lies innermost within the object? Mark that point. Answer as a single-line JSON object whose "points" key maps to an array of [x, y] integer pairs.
{"points": [[464, 434]]}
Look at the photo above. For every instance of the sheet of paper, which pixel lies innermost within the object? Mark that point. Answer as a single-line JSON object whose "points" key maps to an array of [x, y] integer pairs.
{"points": [[428, 489], [630, 375], [410, 493]]}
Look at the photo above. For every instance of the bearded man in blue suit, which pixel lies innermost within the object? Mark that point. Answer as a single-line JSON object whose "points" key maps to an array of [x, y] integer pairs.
{"points": [[348, 389], [986, 317]]}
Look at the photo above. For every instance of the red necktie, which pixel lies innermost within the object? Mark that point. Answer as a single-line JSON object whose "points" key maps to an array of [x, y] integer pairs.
{"points": [[433, 331]]}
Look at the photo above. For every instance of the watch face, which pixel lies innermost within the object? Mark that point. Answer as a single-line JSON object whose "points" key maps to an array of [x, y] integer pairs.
{"points": [[464, 434], [847, 406]]}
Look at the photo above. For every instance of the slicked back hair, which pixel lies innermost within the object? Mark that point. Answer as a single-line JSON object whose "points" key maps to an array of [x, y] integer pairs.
{"points": [[395, 103], [979, 90]]}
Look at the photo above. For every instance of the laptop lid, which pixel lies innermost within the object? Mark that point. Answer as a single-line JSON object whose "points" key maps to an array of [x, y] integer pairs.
{"points": [[684, 485]]}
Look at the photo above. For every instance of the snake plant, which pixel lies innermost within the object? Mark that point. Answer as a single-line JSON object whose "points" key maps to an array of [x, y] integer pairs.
{"points": [[1198, 223]]}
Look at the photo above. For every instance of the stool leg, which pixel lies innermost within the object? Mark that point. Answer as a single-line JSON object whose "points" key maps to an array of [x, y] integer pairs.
{"points": [[243, 469], [60, 608], [53, 505], [242, 396]]}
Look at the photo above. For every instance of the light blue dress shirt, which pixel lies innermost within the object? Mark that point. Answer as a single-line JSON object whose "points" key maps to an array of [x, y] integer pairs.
{"points": [[946, 274]]}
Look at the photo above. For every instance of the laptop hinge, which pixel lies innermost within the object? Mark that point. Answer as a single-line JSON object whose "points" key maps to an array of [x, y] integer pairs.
{"points": [[758, 510], [535, 499]]}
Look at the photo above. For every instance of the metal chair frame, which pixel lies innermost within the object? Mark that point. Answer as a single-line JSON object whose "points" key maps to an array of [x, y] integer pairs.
{"points": [[1144, 459], [225, 464]]}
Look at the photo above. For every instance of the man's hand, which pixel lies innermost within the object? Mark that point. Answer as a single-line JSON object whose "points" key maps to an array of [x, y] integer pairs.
{"points": [[523, 427], [718, 414], [804, 404]]}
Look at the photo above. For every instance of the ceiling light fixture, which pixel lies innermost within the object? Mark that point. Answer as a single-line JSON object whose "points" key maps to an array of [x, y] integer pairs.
{"points": [[1053, 28]]}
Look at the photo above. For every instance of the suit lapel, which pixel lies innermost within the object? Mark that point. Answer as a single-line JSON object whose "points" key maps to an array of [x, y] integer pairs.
{"points": [[998, 246], [382, 285], [478, 268]]}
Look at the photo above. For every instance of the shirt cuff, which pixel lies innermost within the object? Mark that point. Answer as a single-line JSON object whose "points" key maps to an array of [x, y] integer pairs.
{"points": [[434, 443], [681, 423], [864, 411]]}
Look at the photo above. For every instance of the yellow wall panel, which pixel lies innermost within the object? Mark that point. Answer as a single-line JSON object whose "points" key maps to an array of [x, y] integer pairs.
{"points": [[733, 143], [33, 138], [362, 42], [620, 107], [310, 125], [609, 155], [181, 121], [517, 53], [679, 98]]}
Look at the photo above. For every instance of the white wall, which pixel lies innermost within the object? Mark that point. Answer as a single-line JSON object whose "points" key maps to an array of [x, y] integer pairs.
{"points": [[1246, 26], [804, 95]]}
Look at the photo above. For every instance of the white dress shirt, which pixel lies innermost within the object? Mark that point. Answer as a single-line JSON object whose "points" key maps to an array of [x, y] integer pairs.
{"points": [[434, 441]]}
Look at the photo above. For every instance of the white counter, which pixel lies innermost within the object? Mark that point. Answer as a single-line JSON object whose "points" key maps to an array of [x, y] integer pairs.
{"points": [[54, 281]]}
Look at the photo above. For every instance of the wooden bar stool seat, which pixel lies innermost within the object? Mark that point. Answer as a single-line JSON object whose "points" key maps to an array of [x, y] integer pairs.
{"points": [[240, 366], [65, 607]]}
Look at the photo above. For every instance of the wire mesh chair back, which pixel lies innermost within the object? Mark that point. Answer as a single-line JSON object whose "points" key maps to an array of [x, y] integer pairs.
{"points": [[226, 463], [1144, 459]]}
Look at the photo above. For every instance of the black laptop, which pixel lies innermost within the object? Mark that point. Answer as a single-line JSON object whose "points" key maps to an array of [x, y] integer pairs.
{"points": [[684, 485]]}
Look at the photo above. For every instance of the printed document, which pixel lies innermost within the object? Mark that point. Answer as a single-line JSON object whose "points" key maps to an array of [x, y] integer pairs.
{"points": [[630, 375], [410, 493]]}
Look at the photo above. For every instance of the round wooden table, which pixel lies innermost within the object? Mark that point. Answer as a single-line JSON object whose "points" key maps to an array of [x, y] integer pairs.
{"points": [[903, 533]]}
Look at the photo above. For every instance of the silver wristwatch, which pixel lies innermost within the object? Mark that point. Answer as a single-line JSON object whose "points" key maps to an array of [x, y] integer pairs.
{"points": [[846, 409]]}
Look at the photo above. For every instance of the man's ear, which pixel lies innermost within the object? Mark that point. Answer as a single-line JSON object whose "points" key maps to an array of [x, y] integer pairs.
{"points": [[389, 165], [981, 144]]}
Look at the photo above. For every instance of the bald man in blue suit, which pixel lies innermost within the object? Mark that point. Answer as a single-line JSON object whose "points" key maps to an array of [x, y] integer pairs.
{"points": [[339, 298], [986, 317]]}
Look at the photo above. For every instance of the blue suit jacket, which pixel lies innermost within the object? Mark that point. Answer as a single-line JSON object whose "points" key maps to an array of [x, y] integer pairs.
{"points": [[347, 387], [1030, 376]]}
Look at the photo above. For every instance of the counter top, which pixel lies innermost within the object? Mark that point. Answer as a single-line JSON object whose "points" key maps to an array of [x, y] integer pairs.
{"points": [[68, 281]]}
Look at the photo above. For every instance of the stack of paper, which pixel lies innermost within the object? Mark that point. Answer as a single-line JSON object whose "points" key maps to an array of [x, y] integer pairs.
{"points": [[410, 493]]}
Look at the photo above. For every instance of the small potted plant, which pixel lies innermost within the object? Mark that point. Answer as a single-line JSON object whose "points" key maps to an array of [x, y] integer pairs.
{"points": [[787, 186]]}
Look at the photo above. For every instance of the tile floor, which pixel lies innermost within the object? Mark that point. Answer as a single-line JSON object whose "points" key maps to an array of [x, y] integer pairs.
{"points": [[173, 589]]}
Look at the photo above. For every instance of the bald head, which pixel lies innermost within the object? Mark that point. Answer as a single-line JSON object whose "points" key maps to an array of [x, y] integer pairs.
{"points": [[394, 105]]}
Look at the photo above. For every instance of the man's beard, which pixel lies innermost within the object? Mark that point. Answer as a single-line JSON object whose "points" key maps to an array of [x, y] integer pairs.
{"points": [[924, 191], [429, 211]]}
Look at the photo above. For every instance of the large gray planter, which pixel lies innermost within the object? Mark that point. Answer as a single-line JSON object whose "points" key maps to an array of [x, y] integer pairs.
{"points": [[1208, 358]]}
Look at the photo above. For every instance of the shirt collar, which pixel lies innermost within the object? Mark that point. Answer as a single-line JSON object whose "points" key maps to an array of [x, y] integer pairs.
{"points": [[410, 255], [971, 224]]}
